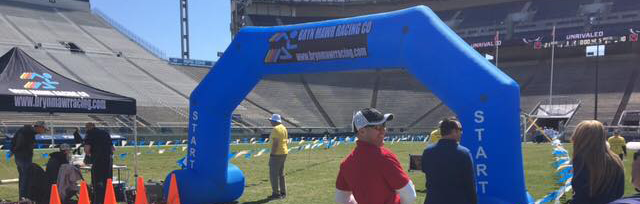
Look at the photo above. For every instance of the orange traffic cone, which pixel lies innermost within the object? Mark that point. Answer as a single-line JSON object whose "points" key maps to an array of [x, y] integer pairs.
{"points": [[174, 195], [84, 194], [55, 197], [109, 195], [141, 192]]}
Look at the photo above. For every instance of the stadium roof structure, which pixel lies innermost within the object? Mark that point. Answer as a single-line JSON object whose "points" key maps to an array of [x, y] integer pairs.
{"points": [[26, 85]]}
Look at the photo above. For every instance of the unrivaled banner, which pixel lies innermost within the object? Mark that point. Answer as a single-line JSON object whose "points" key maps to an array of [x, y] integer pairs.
{"points": [[565, 38]]}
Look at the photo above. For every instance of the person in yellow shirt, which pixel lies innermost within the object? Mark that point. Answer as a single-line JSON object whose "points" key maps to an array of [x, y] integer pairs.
{"points": [[435, 136], [279, 151], [618, 144]]}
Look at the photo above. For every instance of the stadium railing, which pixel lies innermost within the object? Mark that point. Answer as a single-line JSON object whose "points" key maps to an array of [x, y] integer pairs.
{"points": [[143, 43]]}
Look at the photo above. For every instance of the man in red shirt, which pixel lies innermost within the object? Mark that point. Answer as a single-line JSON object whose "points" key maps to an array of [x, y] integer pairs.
{"points": [[371, 173]]}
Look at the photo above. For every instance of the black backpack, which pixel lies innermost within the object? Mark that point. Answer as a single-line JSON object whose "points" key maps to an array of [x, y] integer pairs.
{"points": [[38, 185]]}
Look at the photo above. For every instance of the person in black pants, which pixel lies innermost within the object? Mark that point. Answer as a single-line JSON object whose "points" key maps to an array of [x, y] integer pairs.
{"points": [[22, 144], [99, 147], [448, 168]]}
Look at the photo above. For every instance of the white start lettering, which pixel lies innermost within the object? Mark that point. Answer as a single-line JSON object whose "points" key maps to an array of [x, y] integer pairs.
{"points": [[192, 141], [481, 155]]}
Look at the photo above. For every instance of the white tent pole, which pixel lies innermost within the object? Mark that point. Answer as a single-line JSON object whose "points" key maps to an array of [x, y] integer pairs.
{"points": [[51, 128], [135, 136]]}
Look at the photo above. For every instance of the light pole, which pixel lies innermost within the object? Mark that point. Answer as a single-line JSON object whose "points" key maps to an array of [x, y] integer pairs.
{"points": [[592, 21]]}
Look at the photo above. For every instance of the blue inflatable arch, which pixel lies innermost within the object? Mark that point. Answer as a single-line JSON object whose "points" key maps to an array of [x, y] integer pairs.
{"points": [[485, 99]]}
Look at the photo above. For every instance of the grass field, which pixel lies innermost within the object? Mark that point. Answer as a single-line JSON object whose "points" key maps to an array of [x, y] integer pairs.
{"points": [[310, 174]]}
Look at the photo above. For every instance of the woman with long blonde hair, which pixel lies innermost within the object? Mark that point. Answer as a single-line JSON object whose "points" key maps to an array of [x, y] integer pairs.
{"points": [[598, 173]]}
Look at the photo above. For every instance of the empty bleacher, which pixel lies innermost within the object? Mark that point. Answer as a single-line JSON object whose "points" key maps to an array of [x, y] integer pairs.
{"points": [[139, 81], [196, 73], [625, 5], [402, 94], [167, 75], [9, 34], [159, 89], [634, 99], [489, 15], [342, 93], [286, 95], [574, 78]]}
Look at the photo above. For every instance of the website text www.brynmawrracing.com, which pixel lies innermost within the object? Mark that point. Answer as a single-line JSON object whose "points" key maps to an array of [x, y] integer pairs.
{"points": [[58, 102], [332, 54]]}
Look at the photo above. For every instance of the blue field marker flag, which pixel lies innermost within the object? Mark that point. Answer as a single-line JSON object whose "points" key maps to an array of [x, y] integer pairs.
{"points": [[8, 156], [182, 162]]}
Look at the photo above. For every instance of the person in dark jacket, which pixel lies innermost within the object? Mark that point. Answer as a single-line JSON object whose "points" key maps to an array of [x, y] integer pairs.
{"points": [[56, 160], [448, 168], [77, 139], [99, 147], [598, 173], [22, 144]]}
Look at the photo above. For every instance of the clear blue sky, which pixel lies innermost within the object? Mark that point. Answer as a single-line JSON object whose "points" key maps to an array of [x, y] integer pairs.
{"points": [[158, 22]]}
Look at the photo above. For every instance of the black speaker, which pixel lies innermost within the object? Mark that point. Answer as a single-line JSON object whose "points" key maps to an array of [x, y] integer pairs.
{"points": [[154, 191], [119, 189]]}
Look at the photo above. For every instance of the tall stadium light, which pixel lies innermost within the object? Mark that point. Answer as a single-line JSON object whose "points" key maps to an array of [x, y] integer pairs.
{"points": [[595, 51], [184, 28]]}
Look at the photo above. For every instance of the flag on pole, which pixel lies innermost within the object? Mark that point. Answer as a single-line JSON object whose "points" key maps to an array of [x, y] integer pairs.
{"points": [[496, 39], [488, 57]]}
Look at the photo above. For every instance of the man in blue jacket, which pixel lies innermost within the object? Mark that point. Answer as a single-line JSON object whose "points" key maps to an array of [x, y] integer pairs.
{"points": [[449, 168]]}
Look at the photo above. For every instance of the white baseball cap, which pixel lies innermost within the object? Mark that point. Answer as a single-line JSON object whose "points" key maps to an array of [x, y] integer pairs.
{"points": [[276, 118], [369, 116]]}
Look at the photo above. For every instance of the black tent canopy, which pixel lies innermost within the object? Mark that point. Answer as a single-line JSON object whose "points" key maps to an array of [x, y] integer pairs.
{"points": [[28, 86]]}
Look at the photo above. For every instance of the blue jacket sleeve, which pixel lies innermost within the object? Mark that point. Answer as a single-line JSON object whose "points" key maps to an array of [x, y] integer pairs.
{"points": [[470, 178]]}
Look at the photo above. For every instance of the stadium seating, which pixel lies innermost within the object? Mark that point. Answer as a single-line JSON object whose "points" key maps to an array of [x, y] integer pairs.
{"points": [[402, 94], [625, 5], [162, 90], [286, 95], [549, 9], [196, 73], [342, 93], [166, 74], [574, 78], [489, 15]]}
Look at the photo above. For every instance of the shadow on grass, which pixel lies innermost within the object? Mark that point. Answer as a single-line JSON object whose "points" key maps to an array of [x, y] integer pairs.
{"points": [[264, 200], [263, 181]]}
